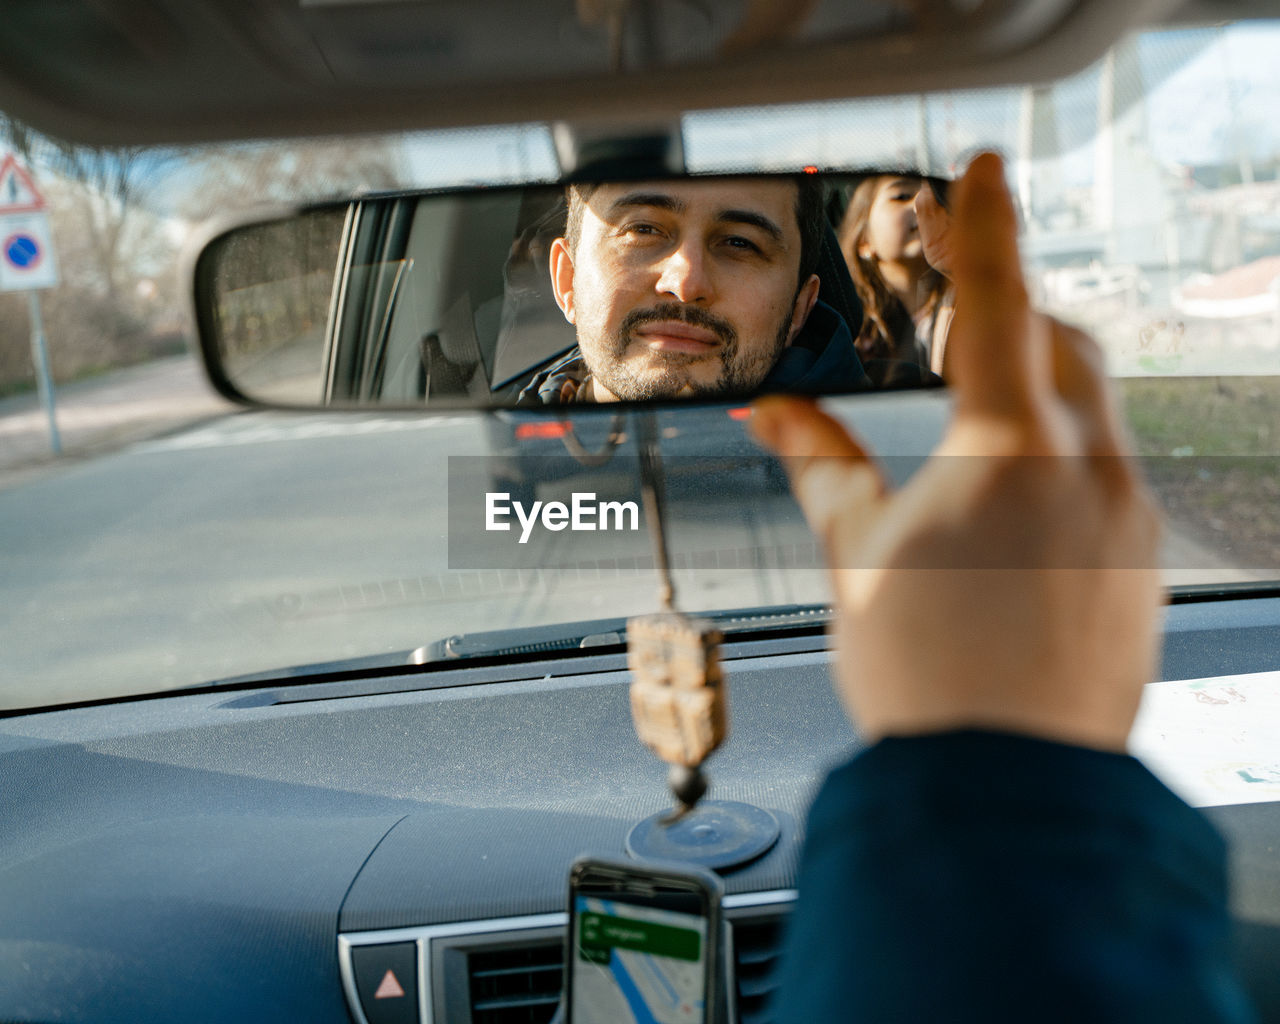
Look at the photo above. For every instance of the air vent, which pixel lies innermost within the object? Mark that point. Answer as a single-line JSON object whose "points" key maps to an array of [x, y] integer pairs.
{"points": [[509, 970], [522, 985], [756, 946], [515, 986]]}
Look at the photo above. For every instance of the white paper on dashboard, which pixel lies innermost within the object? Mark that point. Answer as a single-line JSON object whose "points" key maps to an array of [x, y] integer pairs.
{"points": [[1213, 741]]}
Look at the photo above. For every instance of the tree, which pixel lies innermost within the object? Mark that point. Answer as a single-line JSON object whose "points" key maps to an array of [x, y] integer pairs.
{"points": [[100, 228], [112, 212], [111, 179], [233, 176]]}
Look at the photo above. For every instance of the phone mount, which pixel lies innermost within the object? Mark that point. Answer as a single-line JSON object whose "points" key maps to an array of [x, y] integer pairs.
{"points": [[725, 1004]]}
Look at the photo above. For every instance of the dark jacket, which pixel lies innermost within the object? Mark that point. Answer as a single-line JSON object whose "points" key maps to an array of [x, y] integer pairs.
{"points": [[821, 360], [986, 877]]}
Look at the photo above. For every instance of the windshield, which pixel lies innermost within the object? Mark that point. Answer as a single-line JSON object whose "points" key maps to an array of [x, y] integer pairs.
{"points": [[156, 538]]}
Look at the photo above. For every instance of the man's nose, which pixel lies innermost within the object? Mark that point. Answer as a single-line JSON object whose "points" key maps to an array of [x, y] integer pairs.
{"points": [[684, 274]]}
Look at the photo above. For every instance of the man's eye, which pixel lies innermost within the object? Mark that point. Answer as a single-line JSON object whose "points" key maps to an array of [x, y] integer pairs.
{"points": [[741, 243], [641, 230]]}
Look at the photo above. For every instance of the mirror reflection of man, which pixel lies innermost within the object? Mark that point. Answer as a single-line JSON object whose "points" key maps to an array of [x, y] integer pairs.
{"points": [[694, 289]]}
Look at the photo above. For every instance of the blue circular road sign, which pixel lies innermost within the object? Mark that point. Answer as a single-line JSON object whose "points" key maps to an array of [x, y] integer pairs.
{"points": [[22, 251]]}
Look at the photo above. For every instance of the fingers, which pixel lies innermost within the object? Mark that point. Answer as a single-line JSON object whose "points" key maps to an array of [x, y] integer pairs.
{"points": [[795, 428], [1044, 379], [934, 222], [1101, 437], [1080, 380], [928, 210], [833, 477], [999, 356]]}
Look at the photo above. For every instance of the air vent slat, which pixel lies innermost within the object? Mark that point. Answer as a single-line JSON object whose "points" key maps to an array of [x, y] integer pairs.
{"points": [[499, 972], [754, 988], [756, 948], [755, 956], [518, 985], [511, 1004]]}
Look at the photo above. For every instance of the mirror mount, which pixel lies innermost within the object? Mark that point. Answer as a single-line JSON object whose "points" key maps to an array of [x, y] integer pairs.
{"points": [[597, 458], [587, 151]]}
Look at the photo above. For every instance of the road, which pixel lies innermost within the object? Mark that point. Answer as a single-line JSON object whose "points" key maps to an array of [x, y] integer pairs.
{"points": [[260, 540], [263, 540], [100, 414]]}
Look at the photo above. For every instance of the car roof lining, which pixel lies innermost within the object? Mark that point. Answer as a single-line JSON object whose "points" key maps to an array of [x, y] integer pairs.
{"points": [[126, 72]]}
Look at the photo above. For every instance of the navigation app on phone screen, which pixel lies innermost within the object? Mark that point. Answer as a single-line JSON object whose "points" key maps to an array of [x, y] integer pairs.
{"points": [[639, 964]]}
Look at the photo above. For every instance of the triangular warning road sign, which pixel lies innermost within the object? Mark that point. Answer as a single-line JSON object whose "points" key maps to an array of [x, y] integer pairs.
{"points": [[390, 988], [18, 193]]}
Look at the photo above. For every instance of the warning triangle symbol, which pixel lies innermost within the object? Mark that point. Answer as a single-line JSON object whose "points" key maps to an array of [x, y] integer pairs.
{"points": [[390, 988], [18, 193]]}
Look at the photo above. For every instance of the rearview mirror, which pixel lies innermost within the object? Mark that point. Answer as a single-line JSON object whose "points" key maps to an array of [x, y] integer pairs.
{"points": [[683, 288]]}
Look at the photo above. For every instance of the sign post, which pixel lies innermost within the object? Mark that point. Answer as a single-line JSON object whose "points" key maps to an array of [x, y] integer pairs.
{"points": [[27, 264], [44, 380]]}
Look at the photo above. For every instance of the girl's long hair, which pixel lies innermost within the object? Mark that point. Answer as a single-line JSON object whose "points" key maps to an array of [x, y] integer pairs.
{"points": [[885, 318]]}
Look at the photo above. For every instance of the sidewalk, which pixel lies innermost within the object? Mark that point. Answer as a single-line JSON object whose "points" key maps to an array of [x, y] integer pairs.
{"points": [[104, 413]]}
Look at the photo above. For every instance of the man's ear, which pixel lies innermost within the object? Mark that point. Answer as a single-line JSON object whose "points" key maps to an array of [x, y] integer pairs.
{"points": [[562, 277], [805, 300]]}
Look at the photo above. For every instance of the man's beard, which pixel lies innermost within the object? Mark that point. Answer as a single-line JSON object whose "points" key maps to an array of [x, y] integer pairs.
{"points": [[673, 378]]}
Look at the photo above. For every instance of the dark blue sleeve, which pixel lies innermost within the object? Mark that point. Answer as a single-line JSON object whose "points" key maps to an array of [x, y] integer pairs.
{"points": [[975, 876]]}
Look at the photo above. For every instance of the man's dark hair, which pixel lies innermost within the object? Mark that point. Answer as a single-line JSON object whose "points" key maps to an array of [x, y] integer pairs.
{"points": [[810, 218], [577, 197]]}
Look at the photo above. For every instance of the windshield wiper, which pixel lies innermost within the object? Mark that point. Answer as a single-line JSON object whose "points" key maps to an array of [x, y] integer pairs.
{"points": [[611, 632], [506, 645]]}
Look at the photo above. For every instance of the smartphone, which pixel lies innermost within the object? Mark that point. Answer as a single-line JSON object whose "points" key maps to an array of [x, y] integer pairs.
{"points": [[646, 943]]}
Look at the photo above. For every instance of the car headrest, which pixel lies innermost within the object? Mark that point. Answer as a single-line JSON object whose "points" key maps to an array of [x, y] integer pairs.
{"points": [[837, 288]]}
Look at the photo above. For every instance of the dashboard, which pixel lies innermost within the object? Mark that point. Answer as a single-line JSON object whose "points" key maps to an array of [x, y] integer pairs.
{"points": [[275, 852]]}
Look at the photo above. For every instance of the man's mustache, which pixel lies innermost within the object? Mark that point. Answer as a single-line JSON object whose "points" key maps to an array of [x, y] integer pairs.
{"points": [[695, 316]]}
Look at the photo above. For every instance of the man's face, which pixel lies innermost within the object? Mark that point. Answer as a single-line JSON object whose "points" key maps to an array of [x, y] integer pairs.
{"points": [[679, 289]]}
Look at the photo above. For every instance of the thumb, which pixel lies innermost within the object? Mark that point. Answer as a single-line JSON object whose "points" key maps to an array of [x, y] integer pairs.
{"points": [[832, 474]]}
